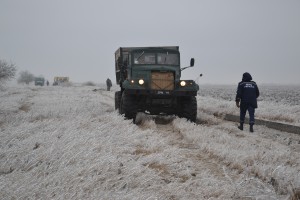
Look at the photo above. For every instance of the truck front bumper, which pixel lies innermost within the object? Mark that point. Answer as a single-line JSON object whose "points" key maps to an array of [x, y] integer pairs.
{"points": [[162, 93]]}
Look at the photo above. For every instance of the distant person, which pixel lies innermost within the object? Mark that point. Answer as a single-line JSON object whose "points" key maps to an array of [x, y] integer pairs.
{"points": [[47, 83], [246, 99], [108, 84]]}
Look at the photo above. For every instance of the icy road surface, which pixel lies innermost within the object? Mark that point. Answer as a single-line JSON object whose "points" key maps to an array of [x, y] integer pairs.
{"points": [[70, 143]]}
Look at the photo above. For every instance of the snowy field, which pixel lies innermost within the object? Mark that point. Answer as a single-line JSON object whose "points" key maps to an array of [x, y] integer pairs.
{"points": [[70, 143]]}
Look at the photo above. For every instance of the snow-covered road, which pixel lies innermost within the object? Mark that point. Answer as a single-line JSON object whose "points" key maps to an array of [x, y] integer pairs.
{"points": [[70, 143]]}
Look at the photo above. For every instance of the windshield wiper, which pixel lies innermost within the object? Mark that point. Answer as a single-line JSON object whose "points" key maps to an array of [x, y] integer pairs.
{"points": [[140, 56]]}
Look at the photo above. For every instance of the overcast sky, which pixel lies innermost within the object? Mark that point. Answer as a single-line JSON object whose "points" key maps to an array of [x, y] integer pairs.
{"points": [[78, 38]]}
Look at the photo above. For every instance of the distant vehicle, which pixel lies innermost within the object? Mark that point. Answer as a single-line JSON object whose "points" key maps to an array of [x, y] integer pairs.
{"points": [[58, 80], [39, 81], [149, 79]]}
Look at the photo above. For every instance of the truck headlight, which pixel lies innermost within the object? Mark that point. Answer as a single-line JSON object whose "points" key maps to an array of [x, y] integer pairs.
{"points": [[141, 81], [132, 81], [182, 83]]}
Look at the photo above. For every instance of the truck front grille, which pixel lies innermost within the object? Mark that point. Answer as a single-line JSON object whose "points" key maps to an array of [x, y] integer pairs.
{"points": [[162, 81]]}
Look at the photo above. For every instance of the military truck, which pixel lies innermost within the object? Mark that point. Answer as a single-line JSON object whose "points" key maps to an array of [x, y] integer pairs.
{"points": [[149, 79], [39, 81]]}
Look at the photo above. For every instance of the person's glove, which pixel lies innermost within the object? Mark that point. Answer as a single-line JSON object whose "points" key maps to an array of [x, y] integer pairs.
{"points": [[237, 104]]}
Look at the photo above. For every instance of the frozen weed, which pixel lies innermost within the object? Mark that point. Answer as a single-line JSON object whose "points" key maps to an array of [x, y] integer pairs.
{"points": [[25, 107]]}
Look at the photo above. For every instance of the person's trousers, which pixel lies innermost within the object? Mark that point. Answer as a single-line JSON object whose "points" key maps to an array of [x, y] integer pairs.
{"points": [[243, 109]]}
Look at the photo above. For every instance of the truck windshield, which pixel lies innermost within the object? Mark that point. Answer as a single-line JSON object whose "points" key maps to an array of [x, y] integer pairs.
{"points": [[167, 58], [144, 58]]}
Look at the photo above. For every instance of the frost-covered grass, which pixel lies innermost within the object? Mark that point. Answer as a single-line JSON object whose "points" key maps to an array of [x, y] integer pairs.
{"points": [[70, 143]]}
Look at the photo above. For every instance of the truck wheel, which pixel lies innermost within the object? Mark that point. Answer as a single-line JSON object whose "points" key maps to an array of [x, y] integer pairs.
{"points": [[189, 108], [128, 106], [117, 100]]}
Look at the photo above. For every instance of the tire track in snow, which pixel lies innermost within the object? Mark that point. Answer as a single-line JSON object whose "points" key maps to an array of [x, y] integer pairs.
{"points": [[195, 164], [202, 161]]}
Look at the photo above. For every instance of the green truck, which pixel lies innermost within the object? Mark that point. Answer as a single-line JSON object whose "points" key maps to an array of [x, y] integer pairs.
{"points": [[39, 81], [149, 79]]}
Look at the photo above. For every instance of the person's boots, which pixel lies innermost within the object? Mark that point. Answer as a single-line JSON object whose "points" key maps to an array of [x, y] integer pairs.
{"points": [[251, 128], [241, 126]]}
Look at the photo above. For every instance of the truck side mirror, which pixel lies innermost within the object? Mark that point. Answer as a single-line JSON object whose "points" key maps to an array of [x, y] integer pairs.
{"points": [[192, 62]]}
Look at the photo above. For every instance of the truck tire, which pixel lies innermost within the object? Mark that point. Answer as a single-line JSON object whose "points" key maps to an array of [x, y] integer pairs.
{"points": [[117, 100], [128, 106], [189, 108]]}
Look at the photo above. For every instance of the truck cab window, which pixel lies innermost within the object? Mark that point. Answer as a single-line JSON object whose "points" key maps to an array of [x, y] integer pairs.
{"points": [[144, 58], [167, 59]]}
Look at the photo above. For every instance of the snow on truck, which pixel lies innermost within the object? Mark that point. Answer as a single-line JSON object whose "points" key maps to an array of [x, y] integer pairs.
{"points": [[149, 79]]}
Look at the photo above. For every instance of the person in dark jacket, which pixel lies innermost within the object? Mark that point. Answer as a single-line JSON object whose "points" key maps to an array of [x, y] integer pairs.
{"points": [[246, 99], [108, 84]]}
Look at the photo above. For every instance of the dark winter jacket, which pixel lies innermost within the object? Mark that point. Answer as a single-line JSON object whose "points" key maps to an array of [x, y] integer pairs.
{"points": [[247, 91], [108, 83]]}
